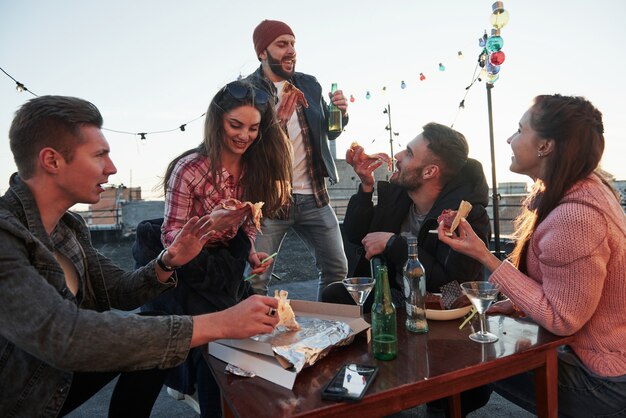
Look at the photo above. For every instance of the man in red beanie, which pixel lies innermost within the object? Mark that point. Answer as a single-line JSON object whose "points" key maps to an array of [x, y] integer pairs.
{"points": [[304, 118]]}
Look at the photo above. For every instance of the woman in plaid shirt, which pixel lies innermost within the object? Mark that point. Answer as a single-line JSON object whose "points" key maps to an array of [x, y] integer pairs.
{"points": [[245, 155]]}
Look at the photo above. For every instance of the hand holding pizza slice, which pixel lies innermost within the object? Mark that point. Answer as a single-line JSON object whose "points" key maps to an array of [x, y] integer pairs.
{"points": [[289, 89], [255, 209], [451, 218], [367, 158]]}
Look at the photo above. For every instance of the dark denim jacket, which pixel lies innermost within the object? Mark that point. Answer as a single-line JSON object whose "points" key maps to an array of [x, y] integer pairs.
{"points": [[316, 116], [46, 333]]}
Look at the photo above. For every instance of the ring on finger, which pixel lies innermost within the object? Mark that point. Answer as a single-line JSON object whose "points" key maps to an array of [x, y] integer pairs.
{"points": [[271, 311]]}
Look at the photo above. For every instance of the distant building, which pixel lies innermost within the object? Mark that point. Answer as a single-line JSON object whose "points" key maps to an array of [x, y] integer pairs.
{"points": [[106, 214]]}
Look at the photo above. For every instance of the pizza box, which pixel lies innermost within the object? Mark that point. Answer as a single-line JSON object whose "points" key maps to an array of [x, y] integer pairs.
{"points": [[258, 357]]}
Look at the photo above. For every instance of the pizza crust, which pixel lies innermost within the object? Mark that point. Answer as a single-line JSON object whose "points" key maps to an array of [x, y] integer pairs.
{"points": [[286, 316], [450, 226]]}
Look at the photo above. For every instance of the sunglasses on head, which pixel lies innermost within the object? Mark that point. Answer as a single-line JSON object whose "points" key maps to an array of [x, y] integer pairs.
{"points": [[240, 91]]}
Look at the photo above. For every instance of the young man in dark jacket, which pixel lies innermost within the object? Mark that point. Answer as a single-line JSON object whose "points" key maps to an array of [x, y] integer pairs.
{"points": [[433, 173], [310, 215], [59, 338]]}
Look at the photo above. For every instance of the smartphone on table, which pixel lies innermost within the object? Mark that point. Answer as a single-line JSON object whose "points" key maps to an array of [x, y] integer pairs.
{"points": [[350, 382]]}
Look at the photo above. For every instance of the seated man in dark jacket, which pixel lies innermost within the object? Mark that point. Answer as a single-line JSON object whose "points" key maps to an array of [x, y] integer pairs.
{"points": [[433, 173]]}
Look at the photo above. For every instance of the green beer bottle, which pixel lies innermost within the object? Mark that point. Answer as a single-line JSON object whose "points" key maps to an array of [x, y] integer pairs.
{"points": [[335, 123], [384, 325]]}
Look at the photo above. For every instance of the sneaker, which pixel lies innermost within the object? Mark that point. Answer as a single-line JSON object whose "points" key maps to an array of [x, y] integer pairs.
{"points": [[175, 394], [191, 400]]}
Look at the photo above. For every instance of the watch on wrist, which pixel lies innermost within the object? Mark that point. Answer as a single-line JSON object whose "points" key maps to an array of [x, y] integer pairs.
{"points": [[162, 264]]}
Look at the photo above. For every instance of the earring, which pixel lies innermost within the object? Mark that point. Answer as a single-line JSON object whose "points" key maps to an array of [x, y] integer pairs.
{"points": [[540, 155]]}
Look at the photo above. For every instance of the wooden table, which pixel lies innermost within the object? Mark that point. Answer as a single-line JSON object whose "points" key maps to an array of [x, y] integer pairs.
{"points": [[441, 363]]}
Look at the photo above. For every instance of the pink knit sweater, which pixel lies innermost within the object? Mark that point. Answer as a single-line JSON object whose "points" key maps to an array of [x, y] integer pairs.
{"points": [[576, 283]]}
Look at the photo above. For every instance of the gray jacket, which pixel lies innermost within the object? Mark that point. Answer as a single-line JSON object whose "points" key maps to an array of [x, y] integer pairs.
{"points": [[46, 333]]}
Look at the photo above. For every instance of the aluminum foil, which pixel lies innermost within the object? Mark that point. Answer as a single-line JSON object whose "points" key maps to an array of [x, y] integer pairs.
{"points": [[312, 342], [231, 368]]}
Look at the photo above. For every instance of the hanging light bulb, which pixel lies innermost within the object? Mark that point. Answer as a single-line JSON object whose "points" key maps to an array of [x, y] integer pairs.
{"points": [[500, 17], [19, 87], [482, 41], [422, 77], [493, 69], [459, 54], [482, 58], [495, 41], [497, 58], [492, 78], [403, 85], [368, 95], [351, 99], [442, 67]]}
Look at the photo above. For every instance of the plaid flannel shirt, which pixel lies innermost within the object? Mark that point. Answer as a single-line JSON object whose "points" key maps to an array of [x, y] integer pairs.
{"points": [[191, 192]]}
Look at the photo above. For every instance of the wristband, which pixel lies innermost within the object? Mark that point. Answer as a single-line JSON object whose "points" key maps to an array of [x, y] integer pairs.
{"points": [[162, 264]]}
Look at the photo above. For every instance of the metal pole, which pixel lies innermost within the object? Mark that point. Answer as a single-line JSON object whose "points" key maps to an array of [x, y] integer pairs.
{"points": [[390, 129], [494, 189]]}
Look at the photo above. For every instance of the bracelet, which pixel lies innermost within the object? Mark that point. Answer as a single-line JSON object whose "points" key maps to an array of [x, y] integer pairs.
{"points": [[162, 264]]}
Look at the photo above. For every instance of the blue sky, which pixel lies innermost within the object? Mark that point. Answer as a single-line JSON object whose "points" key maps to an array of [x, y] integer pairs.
{"points": [[154, 65]]}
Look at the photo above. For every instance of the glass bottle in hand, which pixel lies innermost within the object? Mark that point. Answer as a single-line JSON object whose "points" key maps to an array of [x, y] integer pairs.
{"points": [[335, 123]]}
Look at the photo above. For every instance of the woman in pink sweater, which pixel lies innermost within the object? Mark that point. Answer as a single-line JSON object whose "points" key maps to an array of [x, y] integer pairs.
{"points": [[568, 269]]}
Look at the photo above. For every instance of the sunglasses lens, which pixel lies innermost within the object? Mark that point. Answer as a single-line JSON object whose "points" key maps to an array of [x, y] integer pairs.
{"points": [[237, 90]]}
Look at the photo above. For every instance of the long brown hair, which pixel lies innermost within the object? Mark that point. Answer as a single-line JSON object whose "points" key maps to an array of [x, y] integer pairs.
{"points": [[266, 163], [575, 126]]}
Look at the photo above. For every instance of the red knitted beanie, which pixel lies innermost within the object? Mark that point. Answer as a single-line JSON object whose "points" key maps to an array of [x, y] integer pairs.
{"points": [[265, 33]]}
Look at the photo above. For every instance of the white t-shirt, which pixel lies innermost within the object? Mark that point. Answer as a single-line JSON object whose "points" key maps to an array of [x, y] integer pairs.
{"points": [[301, 179]]}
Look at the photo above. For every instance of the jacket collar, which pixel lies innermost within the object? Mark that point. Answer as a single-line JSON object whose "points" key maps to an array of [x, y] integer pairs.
{"points": [[23, 205]]}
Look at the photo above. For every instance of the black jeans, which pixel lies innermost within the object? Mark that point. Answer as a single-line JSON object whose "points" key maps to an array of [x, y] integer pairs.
{"points": [[134, 394]]}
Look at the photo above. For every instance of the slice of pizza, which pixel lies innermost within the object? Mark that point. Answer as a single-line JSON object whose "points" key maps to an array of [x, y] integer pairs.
{"points": [[255, 209], [369, 158], [289, 88], [286, 316], [451, 218]]}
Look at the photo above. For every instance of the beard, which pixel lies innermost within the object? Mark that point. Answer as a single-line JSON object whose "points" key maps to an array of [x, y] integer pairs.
{"points": [[409, 180], [277, 68]]}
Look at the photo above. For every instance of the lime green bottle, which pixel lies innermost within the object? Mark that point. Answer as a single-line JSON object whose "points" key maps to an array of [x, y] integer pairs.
{"points": [[384, 324], [335, 123]]}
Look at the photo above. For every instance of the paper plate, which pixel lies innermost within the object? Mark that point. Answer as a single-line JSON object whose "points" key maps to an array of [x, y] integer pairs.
{"points": [[447, 314]]}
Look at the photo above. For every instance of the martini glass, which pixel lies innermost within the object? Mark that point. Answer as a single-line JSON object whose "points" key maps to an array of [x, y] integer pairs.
{"points": [[482, 295], [359, 288]]}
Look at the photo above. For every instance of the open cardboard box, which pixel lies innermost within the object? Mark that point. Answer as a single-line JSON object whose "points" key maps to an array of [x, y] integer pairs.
{"points": [[259, 358]]}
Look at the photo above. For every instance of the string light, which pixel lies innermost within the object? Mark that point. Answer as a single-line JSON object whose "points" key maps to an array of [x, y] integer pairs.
{"points": [[20, 87]]}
